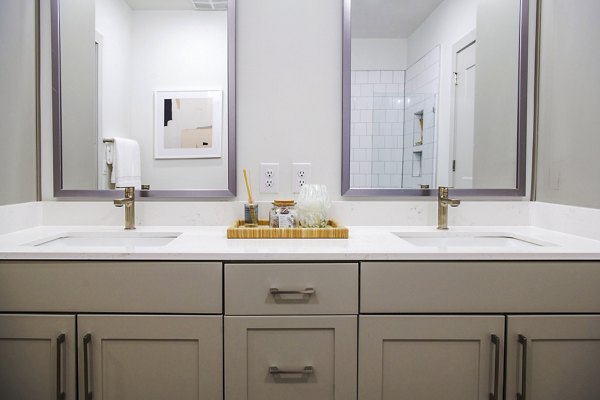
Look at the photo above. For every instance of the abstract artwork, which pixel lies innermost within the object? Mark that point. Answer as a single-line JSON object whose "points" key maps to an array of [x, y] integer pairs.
{"points": [[188, 124]]}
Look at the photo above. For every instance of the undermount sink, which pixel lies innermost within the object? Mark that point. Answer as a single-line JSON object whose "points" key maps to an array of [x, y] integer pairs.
{"points": [[107, 239], [469, 239]]}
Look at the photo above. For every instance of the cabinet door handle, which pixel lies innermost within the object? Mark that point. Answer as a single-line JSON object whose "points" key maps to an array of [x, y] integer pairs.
{"points": [[523, 394], [308, 370], [496, 343], [305, 292], [60, 341], [87, 340]]}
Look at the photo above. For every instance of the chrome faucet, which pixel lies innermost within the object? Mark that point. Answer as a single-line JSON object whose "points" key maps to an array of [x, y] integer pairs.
{"points": [[443, 203], [129, 203]]}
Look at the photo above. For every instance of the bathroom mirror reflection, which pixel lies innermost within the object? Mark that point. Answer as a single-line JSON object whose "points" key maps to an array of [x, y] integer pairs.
{"points": [[144, 89], [434, 95]]}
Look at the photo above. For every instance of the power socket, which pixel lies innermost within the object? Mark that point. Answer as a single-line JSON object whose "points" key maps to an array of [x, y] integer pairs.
{"points": [[269, 177], [301, 175]]}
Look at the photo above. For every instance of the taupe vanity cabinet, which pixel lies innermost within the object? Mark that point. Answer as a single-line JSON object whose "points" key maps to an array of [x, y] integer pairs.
{"points": [[431, 357], [37, 357], [121, 330], [553, 357], [443, 354], [150, 357], [291, 331]]}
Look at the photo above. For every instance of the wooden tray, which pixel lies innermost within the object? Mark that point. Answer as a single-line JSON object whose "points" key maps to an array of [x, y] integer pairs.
{"points": [[263, 231]]}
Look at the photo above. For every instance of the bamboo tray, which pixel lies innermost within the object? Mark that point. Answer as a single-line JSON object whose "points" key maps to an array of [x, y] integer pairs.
{"points": [[263, 231]]}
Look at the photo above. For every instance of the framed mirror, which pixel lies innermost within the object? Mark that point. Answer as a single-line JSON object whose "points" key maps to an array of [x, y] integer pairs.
{"points": [[434, 94], [144, 88]]}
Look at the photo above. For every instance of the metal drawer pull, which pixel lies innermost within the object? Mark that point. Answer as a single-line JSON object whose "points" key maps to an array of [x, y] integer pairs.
{"points": [[308, 370], [496, 343], [523, 394], [60, 393], [87, 340], [306, 292]]}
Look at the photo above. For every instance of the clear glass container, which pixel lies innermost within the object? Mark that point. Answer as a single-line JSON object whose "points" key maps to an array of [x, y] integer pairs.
{"points": [[283, 214]]}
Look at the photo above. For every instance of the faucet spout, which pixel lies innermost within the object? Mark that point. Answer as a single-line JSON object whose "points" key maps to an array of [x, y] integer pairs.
{"points": [[129, 202], [443, 202]]}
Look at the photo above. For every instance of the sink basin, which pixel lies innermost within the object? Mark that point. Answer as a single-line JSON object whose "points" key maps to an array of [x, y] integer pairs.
{"points": [[107, 239], [469, 239]]}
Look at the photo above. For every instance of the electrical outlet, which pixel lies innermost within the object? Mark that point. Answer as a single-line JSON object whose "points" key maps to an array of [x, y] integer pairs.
{"points": [[301, 176], [269, 177]]}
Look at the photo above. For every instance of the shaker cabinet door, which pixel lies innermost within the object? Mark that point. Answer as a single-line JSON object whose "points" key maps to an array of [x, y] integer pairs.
{"points": [[430, 357], [37, 357], [149, 357], [553, 357], [290, 358]]}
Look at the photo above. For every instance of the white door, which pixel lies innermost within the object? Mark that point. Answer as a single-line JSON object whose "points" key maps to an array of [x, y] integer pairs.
{"points": [[464, 117], [553, 357]]}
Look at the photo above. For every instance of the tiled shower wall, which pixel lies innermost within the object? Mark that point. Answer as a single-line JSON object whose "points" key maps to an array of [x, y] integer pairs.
{"points": [[422, 90], [377, 129]]}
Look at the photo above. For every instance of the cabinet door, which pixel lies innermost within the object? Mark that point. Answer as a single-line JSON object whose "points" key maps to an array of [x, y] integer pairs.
{"points": [[430, 357], [553, 357], [291, 358], [37, 357], [150, 357]]}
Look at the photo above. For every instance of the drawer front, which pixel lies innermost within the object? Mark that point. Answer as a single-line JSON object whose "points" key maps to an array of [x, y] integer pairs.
{"points": [[292, 358], [474, 286], [279, 289], [106, 286]]}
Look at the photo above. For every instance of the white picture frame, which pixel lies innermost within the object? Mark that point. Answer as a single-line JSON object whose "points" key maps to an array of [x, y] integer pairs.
{"points": [[188, 124]]}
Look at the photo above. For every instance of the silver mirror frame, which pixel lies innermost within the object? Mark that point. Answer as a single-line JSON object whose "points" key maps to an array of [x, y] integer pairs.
{"points": [[521, 177], [231, 190]]}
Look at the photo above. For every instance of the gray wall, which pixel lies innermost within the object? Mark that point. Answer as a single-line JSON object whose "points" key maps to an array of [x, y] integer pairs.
{"points": [[17, 102], [569, 121], [78, 70], [496, 95]]}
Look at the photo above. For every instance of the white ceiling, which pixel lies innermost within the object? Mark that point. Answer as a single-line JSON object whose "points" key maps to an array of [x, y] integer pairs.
{"points": [[389, 18]]}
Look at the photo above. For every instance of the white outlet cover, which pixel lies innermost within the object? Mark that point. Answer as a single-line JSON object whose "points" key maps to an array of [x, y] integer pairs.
{"points": [[301, 175], [269, 178]]}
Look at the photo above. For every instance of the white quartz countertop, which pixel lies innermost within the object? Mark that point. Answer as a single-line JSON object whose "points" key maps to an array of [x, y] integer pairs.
{"points": [[365, 243]]}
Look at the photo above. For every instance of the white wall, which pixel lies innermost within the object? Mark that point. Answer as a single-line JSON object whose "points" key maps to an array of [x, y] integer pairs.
{"points": [[114, 24], [17, 102], [289, 82], [450, 22], [569, 134], [379, 54], [177, 50], [78, 86]]}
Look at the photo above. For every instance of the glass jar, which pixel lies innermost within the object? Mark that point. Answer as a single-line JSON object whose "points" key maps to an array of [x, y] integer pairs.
{"points": [[283, 214]]}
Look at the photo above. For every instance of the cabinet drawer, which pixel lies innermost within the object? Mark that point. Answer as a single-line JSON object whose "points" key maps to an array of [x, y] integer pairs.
{"points": [[474, 286], [270, 289], [107, 286], [292, 358]]}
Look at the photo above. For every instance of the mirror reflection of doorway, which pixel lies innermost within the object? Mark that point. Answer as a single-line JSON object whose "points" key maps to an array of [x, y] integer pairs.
{"points": [[464, 115]]}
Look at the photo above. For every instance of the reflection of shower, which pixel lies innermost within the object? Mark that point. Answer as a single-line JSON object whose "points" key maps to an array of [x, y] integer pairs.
{"points": [[393, 126]]}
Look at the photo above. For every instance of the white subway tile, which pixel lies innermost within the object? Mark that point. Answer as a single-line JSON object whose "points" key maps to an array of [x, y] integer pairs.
{"points": [[362, 77], [374, 77], [365, 167], [387, 77], [366, 142]]}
